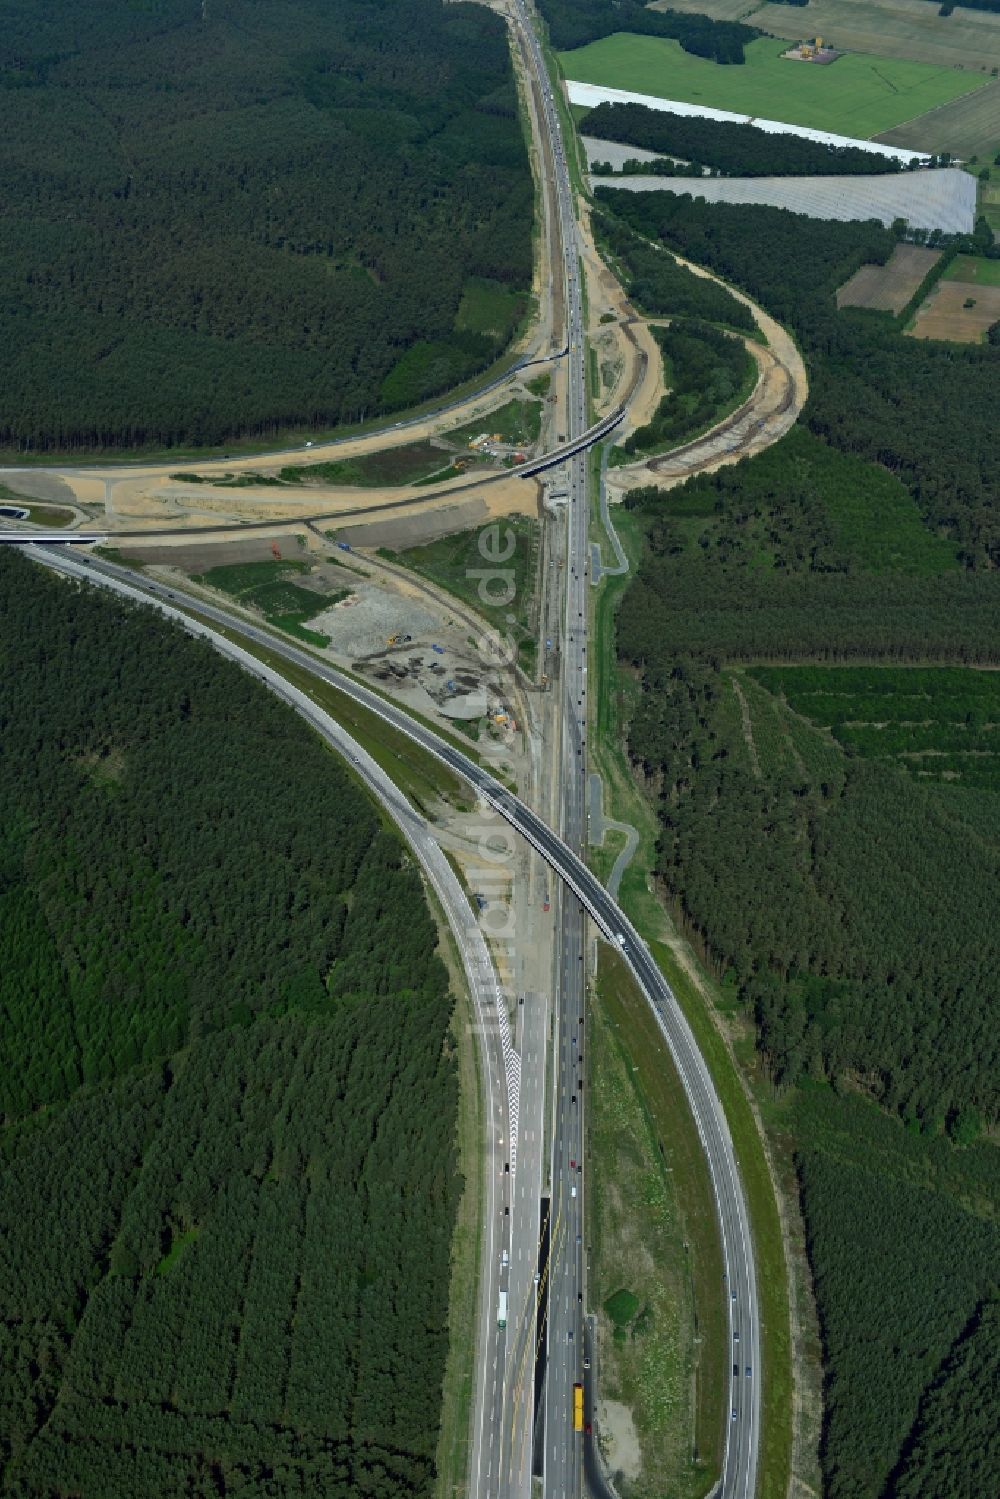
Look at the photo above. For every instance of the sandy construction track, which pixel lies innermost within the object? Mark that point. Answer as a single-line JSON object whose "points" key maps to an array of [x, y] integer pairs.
{"points": [[770, 411]]}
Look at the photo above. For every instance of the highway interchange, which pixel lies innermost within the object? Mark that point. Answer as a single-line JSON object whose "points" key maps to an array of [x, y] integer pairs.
{"points": [[739, 1468], [547, 1295]]}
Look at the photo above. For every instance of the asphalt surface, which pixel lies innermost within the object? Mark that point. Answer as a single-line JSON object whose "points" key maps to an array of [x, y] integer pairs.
{"points": [[739, 1468], [484, 990], [564, 1451], [562, 1447], [502, 1438]]}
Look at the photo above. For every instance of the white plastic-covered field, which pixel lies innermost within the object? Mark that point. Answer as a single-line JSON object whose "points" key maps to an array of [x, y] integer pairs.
{"points": [[592, 94], [614, 153], [934, 198]]}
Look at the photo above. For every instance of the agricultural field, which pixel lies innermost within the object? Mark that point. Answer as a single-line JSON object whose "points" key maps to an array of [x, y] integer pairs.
{"points": [[974, 270], [945, 314], [941, 198], [989, 202], [857, 96], [911, 29], [938, 723], [719, 10], [888, 288], [614, 153], [966, 126]]}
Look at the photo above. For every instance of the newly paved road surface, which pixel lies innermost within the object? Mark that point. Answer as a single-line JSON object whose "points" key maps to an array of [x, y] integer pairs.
{"points": [[502, 1435], [484, 991], [562, 1450], [739, 1468]]}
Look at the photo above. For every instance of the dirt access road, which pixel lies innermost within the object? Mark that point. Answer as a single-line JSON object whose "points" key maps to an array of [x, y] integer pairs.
{"points": [[771, 410]]}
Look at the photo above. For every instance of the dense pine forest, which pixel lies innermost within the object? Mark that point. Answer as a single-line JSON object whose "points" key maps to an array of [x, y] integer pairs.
{"points": [[705, 372], [229, 1105], [926, 411], [232, 218], [732, 149], [573, 23], [662, 288], [806, 629], [903, 1238]]}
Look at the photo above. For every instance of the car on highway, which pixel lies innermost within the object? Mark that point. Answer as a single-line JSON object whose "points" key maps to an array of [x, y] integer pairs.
{"points": [[572, 1190]]}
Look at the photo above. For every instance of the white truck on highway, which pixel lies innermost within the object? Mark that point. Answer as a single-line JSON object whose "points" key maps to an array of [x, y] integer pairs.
{"points": [[502, 1310]]}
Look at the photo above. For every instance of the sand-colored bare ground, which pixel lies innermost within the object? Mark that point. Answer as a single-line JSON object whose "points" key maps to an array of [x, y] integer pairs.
{"points": [[889, 287], [630, 343], [619, 1439], [944, 316], [771, 410], [153, 502]]}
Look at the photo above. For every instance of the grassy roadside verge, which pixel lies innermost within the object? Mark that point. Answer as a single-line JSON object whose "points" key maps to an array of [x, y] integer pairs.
{"points": [[39, 514], [502, 593], [656, 1260], [772, 1281], [566, 122], [416, 773], [458, 1390], [624, 800]]}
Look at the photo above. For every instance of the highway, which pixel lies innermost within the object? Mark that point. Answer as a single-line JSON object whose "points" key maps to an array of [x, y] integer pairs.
{"points": [[562, 1448], [553, 1300], [484, 992], [563, 1451], [740, 1462]]}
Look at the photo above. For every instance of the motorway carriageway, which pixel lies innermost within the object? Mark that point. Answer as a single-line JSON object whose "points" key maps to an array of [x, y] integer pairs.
{"points": [[742, 1430]]}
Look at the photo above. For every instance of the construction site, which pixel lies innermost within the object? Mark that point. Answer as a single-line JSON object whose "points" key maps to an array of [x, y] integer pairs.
{"points": [[815, 50]]}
